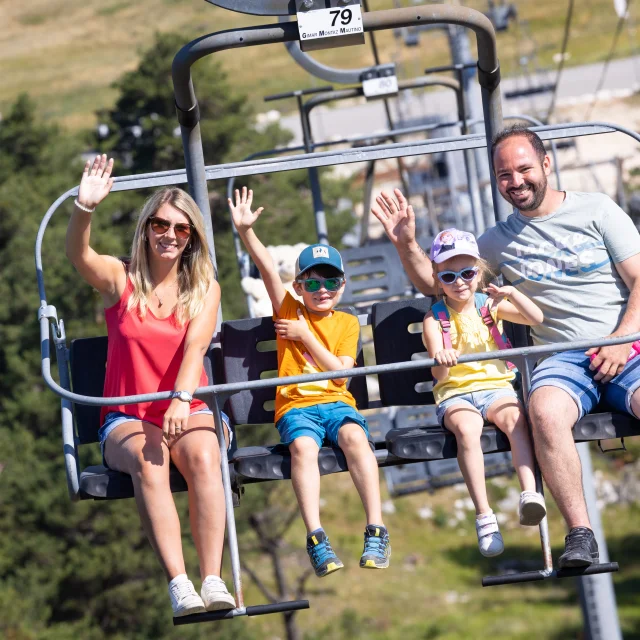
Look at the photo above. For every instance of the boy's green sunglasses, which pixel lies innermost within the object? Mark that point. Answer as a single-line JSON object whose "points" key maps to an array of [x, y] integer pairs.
{"points": [[312, 285]]}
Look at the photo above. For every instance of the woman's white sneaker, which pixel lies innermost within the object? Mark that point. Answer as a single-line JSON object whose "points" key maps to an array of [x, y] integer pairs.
{"points": [[184, 598], [532, 508], [489, 538], [215, 595]]}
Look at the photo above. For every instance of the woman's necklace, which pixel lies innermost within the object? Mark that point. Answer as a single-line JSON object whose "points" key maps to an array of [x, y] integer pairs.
{"points": [[160, 302]]}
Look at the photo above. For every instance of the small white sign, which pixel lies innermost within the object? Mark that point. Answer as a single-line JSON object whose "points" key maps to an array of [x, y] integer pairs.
{"points": [[376, 87], [330, 23]]}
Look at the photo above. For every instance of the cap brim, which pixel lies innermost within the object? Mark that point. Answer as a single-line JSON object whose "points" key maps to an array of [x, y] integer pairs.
{"points": [[320, 262]]}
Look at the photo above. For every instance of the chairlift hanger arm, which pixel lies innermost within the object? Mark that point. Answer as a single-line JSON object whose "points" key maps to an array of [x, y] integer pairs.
{"points": [[288, 32]]}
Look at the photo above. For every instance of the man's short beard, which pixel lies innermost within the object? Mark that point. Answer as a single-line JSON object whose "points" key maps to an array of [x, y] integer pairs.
{"points": [[539, 190]]}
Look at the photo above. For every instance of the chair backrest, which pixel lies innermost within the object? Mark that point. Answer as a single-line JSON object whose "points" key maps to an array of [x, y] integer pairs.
{"points": [[88, 358], [374, 273], [249, 353], [397, 337]]}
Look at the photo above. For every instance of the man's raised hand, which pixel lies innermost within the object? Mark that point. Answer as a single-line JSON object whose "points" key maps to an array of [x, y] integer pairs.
{"points": [[243, 217], [396, 216]]}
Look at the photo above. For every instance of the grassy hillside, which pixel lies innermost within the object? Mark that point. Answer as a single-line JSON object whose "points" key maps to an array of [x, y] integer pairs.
{"points": [[66, 53]]}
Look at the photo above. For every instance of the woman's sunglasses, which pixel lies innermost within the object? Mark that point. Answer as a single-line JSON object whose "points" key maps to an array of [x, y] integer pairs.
{"points": [[312, 285], [449, 277], [160, 226]]}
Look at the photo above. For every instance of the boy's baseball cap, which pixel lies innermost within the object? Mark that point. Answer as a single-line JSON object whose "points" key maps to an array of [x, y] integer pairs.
{"points": [[318, 254], [453, 242]]}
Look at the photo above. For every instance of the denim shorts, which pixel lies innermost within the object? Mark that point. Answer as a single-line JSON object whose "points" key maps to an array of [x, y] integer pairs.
{"points": [[114, 419], [321, 422], [479, 400], [570, 372]]}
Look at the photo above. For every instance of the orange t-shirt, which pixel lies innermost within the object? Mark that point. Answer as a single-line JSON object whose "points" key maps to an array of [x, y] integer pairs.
{"points": [[339, 333]]}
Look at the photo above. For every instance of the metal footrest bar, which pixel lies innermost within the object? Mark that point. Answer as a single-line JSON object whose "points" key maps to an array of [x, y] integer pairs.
{"points": [[257, 610], [535, 576]]}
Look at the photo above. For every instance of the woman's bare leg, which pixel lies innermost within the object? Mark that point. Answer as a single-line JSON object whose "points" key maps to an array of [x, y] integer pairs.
{"points": [[197, 456], [138, 448]]}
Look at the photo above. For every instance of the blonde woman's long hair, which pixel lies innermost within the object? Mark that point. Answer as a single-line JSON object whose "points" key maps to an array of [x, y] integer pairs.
{"points": [[195, 271]]}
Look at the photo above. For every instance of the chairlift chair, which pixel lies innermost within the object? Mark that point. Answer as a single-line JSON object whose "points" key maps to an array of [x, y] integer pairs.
{"points": [[399, 374]]}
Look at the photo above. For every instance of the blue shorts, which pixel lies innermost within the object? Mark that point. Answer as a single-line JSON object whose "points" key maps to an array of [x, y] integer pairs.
{"points": [[321, 422], [570, 372], [114, 419], [478, 400]]}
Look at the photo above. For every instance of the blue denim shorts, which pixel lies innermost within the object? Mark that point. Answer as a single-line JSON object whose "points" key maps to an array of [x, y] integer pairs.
{"points": [[570, 372], [479, 400], [114, 419], [321, 422]]}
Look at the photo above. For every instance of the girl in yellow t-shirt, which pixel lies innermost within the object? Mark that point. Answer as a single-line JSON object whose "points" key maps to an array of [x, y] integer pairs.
{"points": [[464, 322]]}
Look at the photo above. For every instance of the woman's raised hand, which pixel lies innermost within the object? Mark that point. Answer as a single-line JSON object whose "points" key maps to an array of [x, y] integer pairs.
{"points": [[243, 217], [96, 182]]}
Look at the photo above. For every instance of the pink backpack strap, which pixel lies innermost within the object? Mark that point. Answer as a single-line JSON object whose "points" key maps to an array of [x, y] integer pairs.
{"points": [[502, 342], [440, 313], [445, 325]]}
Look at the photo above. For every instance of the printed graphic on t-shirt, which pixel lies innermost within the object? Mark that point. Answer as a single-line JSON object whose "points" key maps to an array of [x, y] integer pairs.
{"points": [[562, 257], [319, 387]]}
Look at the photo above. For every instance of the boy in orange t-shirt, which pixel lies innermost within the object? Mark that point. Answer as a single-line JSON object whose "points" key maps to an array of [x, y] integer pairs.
{"points": [[312, 337]]}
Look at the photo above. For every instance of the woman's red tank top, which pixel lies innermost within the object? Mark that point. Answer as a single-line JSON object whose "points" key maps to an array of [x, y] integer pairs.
{"points": [[143, 356]]}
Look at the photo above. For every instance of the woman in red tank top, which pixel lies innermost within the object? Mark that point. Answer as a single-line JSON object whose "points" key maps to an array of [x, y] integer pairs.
{"points": [[160, 312]]}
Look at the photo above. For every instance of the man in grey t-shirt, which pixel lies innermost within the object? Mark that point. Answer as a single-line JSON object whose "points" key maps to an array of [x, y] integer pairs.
{"points": [[577, 256]]}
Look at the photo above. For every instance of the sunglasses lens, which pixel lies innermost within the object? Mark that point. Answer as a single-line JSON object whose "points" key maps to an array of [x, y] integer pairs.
{"points": [[183, 230], [332, 284], [468, 274], [159, 225], [312, 285], [447, 277]]}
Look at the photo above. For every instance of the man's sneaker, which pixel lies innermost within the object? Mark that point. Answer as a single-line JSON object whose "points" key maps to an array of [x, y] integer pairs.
{"points": [[532, 508], [377, 548], [322, 557], [580, 549], [184, 599], [215, 595], [489, 537]]}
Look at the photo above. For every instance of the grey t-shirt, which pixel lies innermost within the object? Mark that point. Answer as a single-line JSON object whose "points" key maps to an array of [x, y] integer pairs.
{"points": [[565, 262]]}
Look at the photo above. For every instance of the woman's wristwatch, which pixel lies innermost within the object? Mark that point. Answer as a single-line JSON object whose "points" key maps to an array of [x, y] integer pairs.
{"points": [[185, 396]]}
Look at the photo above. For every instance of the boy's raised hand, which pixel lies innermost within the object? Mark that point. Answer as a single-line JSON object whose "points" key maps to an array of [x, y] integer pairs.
{"points": [[397, 217], [243, 217]]}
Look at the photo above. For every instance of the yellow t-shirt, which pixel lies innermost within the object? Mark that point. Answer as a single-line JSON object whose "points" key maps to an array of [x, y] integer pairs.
{"points": [[469, 334], [338, 333]]}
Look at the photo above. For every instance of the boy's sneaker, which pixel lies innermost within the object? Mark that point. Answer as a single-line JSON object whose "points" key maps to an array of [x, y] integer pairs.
{"points": [[215, 595], [580, 549], [489, 537], [322, 557], [184, 598], [532, 508], [377, 548]]}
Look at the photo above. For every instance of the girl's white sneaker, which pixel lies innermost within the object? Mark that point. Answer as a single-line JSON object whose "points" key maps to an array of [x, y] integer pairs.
{"points": [[532, 508], [489, 538], [184, 598], [215, 595]]}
